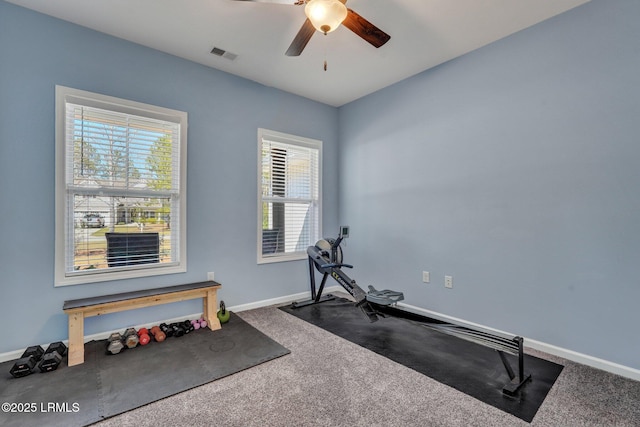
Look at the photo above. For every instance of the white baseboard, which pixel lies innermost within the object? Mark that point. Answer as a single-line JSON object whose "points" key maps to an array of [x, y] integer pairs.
{"points": [[585, 359], [269, 302], [571, 355]]}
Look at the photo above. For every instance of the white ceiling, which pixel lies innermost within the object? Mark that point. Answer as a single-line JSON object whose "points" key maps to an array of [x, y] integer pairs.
{"points": [[424, 33]]}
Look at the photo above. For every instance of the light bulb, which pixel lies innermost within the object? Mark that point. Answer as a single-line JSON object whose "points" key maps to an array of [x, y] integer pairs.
{"points": [[325, 15]]}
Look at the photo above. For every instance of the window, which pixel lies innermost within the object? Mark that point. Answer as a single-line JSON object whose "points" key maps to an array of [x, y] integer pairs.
{"points": [[120, 188], [289, 194]]}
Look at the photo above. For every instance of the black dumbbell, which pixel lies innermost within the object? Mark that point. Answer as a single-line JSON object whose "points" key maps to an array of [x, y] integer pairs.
{"points": [[24, 366], [57, 346], [178, 329], [52, 357], [168, 331], [188, 326], [35, 351]]}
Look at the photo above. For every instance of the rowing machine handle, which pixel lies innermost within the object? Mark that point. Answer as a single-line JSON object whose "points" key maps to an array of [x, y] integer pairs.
{"points": [[336, 265]]}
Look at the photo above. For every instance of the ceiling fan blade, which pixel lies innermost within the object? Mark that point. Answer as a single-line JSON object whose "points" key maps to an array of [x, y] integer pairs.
{"points": [[365, 29], [302, 38]]}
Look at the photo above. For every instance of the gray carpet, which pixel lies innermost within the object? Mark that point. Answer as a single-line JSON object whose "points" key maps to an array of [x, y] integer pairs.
{"points": [[328, 381], [106, 385]]}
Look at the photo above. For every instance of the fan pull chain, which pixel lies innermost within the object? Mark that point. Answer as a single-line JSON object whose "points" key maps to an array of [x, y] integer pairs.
{"points": [[325, 51]]}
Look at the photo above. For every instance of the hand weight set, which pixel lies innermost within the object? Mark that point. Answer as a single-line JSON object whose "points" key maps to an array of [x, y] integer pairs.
{"points": [[176, 329], [130, 339], [49, 359]]}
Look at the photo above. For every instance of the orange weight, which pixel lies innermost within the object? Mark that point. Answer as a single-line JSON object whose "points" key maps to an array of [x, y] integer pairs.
{"points": [[143, 336], [158, 335]]}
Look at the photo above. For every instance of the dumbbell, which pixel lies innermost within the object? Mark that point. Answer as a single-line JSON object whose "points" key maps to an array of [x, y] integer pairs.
{"points": [[36, 351], [143, 336], [115, 344], [168, 331], [52, 357], [178, 329], [131, 338], [199, 323], [158, 334], [188, 326], [24, 366]]}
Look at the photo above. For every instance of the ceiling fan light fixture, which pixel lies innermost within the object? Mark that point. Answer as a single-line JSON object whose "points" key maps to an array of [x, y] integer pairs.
{"points": [[325, 15]]}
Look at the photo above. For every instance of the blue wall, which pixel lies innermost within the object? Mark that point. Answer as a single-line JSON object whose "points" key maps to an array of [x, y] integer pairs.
{"points": [[38, 52], [516, 170]]}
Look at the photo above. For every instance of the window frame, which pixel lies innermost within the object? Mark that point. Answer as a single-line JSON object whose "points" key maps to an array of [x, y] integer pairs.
{"points": [[64, 219], [294, 140]]}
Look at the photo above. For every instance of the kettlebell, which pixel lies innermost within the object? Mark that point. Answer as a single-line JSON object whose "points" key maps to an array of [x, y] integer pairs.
{"points": [[223, 314]]}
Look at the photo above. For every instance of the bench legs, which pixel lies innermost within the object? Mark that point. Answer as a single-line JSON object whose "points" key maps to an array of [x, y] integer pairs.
{"points": [[76, 339], [210, 306]]}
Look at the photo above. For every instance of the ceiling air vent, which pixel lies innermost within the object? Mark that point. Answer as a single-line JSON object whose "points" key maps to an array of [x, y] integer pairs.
{"points": [[223, 53]]}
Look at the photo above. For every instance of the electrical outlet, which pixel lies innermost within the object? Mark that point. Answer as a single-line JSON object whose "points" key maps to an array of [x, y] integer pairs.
{"points": [[425, 276], [448, 282], [210, 276]]}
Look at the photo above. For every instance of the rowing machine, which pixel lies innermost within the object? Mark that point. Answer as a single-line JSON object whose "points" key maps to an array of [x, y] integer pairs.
{"points": [[326, 257]]}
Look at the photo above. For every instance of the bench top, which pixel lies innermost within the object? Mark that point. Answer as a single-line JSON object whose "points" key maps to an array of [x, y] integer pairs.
{"points": [[104, 299]]}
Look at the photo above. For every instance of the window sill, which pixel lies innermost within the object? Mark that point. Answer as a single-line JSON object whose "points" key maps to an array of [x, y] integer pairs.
{"points": [[297, 256], [81, 279]]}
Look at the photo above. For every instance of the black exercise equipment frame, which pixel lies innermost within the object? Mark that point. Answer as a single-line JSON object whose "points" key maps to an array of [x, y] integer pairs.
{"points": [[332, 266], [329, 263], [513, 345]]}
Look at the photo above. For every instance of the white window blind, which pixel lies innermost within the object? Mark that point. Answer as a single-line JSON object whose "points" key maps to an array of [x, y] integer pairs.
{"points": [[120, 206], [289, 195]]}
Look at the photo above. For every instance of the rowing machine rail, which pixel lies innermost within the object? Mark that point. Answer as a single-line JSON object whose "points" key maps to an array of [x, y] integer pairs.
{"points": [[512, 345]]}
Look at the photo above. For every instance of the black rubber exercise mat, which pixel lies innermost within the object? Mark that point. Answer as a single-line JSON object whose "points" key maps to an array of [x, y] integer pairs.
{"points": [[466, 366], [107, 385]]}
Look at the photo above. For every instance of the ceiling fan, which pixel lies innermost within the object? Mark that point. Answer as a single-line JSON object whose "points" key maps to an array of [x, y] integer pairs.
{"points": [[325, 16]]}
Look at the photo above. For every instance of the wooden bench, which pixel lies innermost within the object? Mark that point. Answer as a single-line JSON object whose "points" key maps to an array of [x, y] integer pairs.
{"points": [[80, 308]]}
